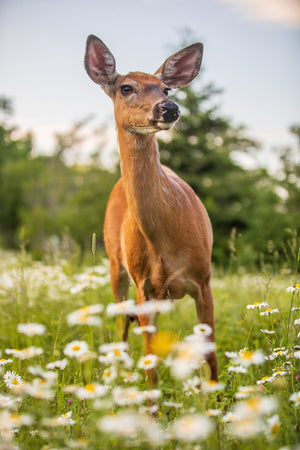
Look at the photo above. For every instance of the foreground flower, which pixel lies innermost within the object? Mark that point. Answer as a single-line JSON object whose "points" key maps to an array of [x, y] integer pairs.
{"points": [[212, 386], [144, 329], [192, 427], [12, 380], [257, 305], [269, 311], [10, 422], [127, 396], [91, 390], [154, 306], [25, 353], [295, 397], [247, 427], [147, 362], [247, 357], [121, 308], [59, 364], [4, 361], [63, 420], [76, 349], [31, 329], [202, 330], [132, 425], [273, 426], [245, 391], [295, 287], [86, 315]]}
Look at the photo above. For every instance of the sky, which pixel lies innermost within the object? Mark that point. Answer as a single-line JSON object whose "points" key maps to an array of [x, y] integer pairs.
{"points": [[251, 51]]}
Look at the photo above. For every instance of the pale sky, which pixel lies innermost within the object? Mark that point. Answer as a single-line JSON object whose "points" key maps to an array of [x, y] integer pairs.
{"points": [[251, 50]]}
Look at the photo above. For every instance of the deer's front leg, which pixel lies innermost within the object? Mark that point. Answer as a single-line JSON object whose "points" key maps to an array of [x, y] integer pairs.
{"points": [[144, 320]]}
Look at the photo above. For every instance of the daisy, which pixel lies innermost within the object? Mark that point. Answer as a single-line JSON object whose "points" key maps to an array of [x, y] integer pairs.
{"points": [[237, 369], [49, 375], [6, 401], [76, 349], [86, 315], [65, 419], [269, 311], [38, 389], [267, 331], [247, 357], [127, 396], [147, 362], [273, 427], [212, 386], [130, 377], [192, 386], [295, 287], [192, 427], [154, 306], [109, 374], [152, 394], [169, 404], [297, 322], [295, 397], [214, 412], [4, 361], [117, 356], [257, 305], [264, 380], [121, 346], [247, 427], [31, 329], [202, 329], [25, 353], [121, 308], [12, 379], [255, 406], [144, 329], [59, 364], [91, 390], [245, 391]]}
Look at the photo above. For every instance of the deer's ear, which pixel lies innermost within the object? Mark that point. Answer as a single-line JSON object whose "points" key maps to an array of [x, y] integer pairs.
{"points": [[99, 62], [182, 67]]}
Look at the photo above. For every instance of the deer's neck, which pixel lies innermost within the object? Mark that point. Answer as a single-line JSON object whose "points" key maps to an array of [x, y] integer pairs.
{"points": [[144, 180]]}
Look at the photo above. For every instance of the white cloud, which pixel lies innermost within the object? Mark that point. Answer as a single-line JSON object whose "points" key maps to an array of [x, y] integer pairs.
{"points": [[286, 12]]}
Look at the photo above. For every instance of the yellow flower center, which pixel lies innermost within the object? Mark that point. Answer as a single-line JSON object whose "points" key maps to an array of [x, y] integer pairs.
{"points": [[275, 428], [90, 387], [163, 342], [15, 382], [75, 348], [2, 360], [247, 354], [212, 382], [257, 303], [268, 310], [117, 353], [264, 378], [147, 361]]}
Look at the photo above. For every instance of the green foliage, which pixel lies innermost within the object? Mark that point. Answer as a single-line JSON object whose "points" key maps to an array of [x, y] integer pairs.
{"points": [[204, 151]]}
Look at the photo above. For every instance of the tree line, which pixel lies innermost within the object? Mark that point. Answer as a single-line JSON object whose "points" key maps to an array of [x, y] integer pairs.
{"points": [[46, 202]]}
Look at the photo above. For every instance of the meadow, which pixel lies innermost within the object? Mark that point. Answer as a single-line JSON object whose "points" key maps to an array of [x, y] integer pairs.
{"points": [[66, 380]]}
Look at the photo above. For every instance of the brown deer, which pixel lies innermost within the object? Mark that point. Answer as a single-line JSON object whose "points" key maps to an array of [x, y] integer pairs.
{"points": [[157, 232]]}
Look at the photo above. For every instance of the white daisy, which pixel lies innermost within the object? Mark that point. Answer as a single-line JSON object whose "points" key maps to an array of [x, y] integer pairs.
{"points": [[12, 380], [191, 428], [59, 364], [202, 329], [257, 305], [76, 349], [144, 329], [91, 390], [147, 362], [31, 329], [295, 397], [121, 308]]}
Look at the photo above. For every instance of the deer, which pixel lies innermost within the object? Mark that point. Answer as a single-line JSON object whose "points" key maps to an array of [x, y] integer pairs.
{"points": [[157, 232]]}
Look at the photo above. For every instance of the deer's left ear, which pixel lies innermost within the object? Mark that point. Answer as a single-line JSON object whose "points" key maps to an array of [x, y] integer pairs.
{"points": [[182, 67]]}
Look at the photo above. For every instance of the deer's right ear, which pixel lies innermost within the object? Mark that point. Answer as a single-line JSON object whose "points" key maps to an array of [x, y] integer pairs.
{"points": [[99, 62]]}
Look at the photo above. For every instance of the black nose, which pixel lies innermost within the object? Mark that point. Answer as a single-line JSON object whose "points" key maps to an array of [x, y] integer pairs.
{"points": [[170, 111]]}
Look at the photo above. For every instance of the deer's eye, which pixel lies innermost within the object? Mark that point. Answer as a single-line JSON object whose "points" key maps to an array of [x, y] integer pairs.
{"points": [[126, 90], [166, 91]]}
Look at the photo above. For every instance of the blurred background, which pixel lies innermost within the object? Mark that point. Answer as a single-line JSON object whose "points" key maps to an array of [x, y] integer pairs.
{"points": [[237, 144]]}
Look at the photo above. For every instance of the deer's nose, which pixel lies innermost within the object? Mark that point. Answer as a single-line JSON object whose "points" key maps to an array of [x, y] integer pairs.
{"points": [[170, 111]]}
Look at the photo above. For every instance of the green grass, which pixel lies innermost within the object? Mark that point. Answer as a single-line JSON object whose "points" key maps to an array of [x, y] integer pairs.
{"points": [[33, 292]]}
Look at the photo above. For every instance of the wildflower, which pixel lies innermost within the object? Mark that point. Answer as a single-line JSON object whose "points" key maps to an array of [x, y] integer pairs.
{"points": [[25, 353], [38, 389], [121, 308], [192, 386], [109, 374], [247, 427], [295, 397], [212, 386], [269, 311], [130, 377], [273, 426], [257, 305], [91, 390], [152, 394], [85, 315], [163, 342], [297, 354], [121, 346], [276, 353], [245, 391], [231, 355], [131, 425], [265, 379], [76, 349], [229, 417], [297, 322], [116, 356], [169, 404], [10, 422], [154, 306], [31, 329], [6, 401], [267, 331], [65, 419], [188, 357], [202, 329], [214, 412], [247, 357], [144, 329], [12, 379], [4, 361], [280, 373], [147, 362], [237, 369], [49, 375], [59, 364], [255, 406], [127, 396], [295, 287], [295, 308], [190, 428]]}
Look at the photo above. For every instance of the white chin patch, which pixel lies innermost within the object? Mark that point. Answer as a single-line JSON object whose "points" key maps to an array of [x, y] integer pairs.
{"points": [[150, 129]]}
